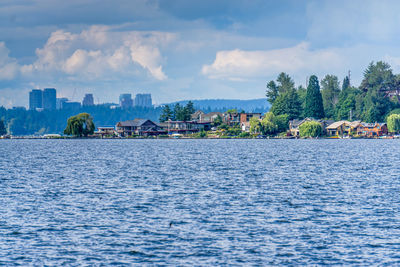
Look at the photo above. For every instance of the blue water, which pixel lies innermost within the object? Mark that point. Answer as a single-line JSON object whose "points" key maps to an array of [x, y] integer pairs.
{"points": [[199, 202]]}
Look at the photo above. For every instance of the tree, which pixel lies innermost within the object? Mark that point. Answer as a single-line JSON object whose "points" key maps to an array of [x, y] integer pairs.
{"points": [[378, 79], [255, 125], [80, 125], [178, 114], [3, 130], [393, 123], [217, 121], [272, 92], [188, 111], [269, 125], [285, 83], [287, 103], [346, 83], [314, 105], [166, 114], [330, 94], [282, 121], [310, 129]]}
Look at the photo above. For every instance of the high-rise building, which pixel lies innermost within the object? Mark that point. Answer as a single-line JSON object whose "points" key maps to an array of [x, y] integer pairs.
{"points": [[49, 98], [143, 100], [71, 105], [125, 101], [88, 100], [35, 99], [60, 102]]}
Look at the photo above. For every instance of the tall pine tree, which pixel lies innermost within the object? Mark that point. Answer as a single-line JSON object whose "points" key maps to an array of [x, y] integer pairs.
{"points": [[314, 105]]}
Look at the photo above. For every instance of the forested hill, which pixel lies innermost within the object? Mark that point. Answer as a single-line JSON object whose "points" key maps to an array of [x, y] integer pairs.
{"points": [[208, 105]]}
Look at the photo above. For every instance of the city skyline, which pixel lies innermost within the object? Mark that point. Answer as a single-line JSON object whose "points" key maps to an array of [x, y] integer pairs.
{"points": [[179, 50]]}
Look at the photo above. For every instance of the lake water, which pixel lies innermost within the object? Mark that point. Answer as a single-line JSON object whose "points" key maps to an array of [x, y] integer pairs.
{"points": [[199, 202]]}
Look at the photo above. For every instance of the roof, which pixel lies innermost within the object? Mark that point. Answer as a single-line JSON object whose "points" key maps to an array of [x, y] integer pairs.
{"points": [[337, 124], [133, 123]]}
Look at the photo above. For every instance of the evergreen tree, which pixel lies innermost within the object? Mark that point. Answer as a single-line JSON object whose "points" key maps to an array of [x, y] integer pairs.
{"points": [[330, 94], [314, 105], [178, 113], [346, 83], [166, 114], [272, 92], [287, 103], [285, 83], [3, 130], [378, 79]]}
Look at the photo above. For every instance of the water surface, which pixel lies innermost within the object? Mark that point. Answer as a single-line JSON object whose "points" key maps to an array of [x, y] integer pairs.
{"points": [[199, 202]]}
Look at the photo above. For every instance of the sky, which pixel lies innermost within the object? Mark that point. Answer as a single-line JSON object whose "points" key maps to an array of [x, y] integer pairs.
{"points": [[181, 49]]}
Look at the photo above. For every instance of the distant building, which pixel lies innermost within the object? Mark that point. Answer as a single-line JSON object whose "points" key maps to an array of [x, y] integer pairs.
{"points": [[88, 100], [125, 101], [71, 105], [49, 99], [140, 127], [143, 100], [35, 99], [60, 102]]}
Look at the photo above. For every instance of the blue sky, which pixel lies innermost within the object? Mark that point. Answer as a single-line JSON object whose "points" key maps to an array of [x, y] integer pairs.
{"points": [[179, 49]]}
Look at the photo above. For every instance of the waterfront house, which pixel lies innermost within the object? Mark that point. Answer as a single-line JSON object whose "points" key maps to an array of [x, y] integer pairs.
{"points": [[344, 128], [185, 127], [374, 129], [103, 131], [200, 116], [245, 126], [245, 117], [140, 127], [231, 118]]}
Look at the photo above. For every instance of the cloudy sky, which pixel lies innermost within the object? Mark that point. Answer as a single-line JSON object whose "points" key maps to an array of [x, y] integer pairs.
{"points": [[180, 49]]}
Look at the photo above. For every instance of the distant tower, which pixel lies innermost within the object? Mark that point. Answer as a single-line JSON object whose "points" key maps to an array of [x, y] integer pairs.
{"points": [[60, 102], [143, 100], [88, 100], [35, 99], [49, 98], [125, 101]]}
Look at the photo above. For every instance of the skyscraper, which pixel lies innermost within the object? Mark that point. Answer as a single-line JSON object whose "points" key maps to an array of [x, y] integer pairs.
{"points": [[60, 102], [88, 100], [125, 101], [49, 98], [35, 99], [143, 100]]}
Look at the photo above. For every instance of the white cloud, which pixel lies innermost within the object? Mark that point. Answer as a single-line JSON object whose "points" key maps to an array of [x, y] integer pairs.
{"points": [[101, 51], [8, 66], [239, 65]]}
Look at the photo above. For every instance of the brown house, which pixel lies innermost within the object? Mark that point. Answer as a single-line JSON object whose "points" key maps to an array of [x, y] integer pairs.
{"points": [[245, 117], [374, 129]]}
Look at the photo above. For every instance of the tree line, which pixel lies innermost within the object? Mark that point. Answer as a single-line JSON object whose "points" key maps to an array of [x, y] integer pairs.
{"points": [[369, 102], [177, 113]]}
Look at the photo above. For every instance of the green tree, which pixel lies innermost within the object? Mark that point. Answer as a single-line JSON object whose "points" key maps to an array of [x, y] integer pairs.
{"points": [[287, 103], [272, 92], [285, 83], [314, 105], [80, 125], [282, 121], [346, 83], [217, 121], [310, 129], [188, 110], [378, 79], [178, 114], [255, 125], [330, 94], [3, 130], [393, 123], [166, 114], [269, 126]]}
